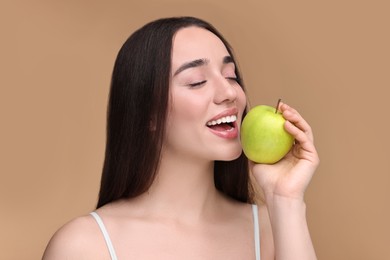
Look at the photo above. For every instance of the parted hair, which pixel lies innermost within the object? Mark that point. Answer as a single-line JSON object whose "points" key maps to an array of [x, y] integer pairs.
{"points": [[139, 95]]}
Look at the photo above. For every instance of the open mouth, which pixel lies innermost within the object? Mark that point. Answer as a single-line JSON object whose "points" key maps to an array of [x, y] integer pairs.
{"points": [[226, 123]]}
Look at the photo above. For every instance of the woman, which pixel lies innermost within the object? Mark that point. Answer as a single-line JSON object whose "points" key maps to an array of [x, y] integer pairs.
{"points": [[175, 182]]}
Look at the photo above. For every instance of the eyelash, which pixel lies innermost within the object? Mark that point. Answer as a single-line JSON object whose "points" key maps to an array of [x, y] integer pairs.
{"points": [[197, 84], [233, 78]]}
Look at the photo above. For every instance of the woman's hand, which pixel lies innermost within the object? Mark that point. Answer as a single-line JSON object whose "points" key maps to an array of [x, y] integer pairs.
{"points": [[290, 176]]}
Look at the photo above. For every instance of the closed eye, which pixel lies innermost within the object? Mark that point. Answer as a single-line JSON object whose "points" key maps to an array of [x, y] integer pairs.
{"points": [[197, 84], [232, 78]]}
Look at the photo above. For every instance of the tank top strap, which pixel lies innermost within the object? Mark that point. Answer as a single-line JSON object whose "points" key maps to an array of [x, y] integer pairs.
{"points": [[105, 235], [256, 230], [113, 254]]}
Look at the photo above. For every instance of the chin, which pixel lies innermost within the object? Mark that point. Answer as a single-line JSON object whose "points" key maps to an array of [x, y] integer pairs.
{"points": [[232, 155]]}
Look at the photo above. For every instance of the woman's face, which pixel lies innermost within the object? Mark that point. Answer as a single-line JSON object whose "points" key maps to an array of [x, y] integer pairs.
{"points": [[206, 102]]}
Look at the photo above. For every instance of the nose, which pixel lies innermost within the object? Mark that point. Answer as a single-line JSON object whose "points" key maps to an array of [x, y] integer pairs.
{"points": [[225, 90]]}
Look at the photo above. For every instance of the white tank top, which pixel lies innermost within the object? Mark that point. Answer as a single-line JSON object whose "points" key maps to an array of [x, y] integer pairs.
{"points": [[113, 254]]}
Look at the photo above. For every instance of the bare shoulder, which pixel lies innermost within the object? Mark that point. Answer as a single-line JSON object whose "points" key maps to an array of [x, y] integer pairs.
{"points": [[80, 238]]}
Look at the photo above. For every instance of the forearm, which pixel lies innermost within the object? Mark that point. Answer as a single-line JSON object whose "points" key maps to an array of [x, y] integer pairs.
{"points": [[290, 231]]}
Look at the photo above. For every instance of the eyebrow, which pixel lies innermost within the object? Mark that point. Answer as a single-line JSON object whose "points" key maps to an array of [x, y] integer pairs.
{"points": [[228, 59], [200, 62]]}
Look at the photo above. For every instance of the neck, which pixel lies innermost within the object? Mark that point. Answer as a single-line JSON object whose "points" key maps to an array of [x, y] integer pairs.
{"points": [[183, 188]]}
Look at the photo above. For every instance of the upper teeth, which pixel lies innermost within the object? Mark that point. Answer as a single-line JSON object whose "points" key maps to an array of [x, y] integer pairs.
{"points": [[225, 119]]}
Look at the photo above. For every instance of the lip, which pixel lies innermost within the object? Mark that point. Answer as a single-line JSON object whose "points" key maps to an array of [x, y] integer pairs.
{"points": [[231, 134], [228, 112]]}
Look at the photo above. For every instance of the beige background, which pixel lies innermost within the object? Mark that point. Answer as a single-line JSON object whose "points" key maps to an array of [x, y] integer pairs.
{"points": [[329, 59]]}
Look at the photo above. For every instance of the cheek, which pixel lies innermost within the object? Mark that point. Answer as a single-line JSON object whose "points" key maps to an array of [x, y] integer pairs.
{"points": [[186, 110], [241, 98], [185, 122]]}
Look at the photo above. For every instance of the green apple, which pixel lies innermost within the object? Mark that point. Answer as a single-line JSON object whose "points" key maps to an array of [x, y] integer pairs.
{"points": [[263, 137]]}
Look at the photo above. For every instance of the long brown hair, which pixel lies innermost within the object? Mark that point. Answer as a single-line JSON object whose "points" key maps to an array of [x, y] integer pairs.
{"points": [[138, 96]]}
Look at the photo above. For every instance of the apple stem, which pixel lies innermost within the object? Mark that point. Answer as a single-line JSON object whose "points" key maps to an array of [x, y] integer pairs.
{"points": [[277, 106]]}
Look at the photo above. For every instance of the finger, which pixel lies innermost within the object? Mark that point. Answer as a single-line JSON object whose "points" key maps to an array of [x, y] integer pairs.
{"points": [[294, 117], [302, 133], [304, 139]]}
